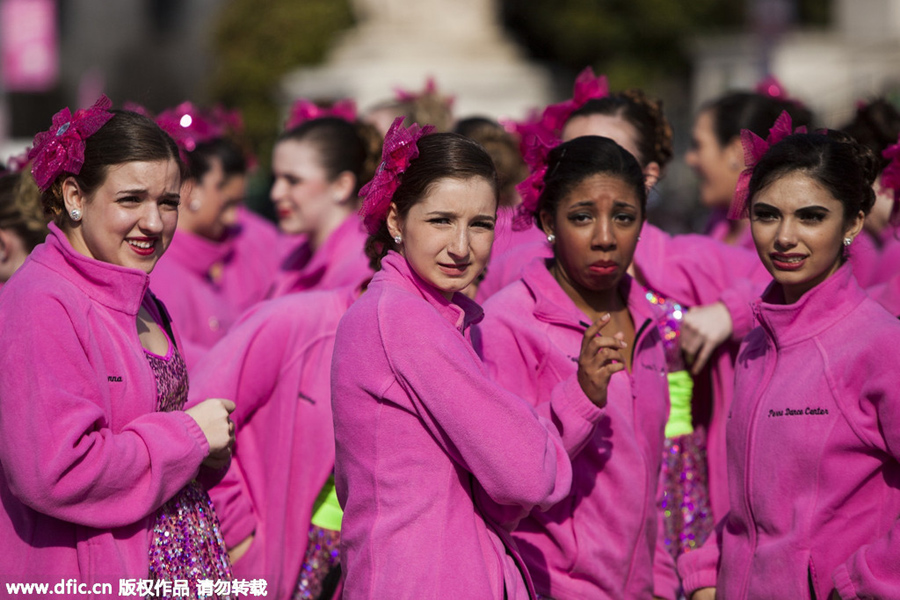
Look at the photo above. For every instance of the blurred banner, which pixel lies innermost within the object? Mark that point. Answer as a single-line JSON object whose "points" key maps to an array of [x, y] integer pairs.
{"points": [[28, 43]]}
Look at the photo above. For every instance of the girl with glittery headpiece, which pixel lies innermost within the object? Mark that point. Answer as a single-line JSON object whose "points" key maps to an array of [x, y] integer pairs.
{"points": [[101, 461], [221, 260], [319, 167], [814, 430], [603, 540], [435, 461]]}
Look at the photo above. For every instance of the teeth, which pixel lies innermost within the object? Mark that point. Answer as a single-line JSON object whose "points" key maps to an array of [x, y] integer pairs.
{"points": [[141, 245]]}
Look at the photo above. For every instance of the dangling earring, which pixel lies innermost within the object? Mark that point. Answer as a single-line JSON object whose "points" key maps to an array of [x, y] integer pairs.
{"points": [[848, 241], [398, 239], [194, 205], [75, 214], [551, 238]]}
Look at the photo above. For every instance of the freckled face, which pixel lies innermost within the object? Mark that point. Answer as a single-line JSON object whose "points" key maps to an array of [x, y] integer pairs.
{"points": [[798, 228], [447, 236], [130, 219], [596, 227]]}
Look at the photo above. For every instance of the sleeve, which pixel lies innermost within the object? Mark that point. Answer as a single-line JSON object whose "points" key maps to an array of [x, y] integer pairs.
{"points": [[514, 366], [696, 270], [700, 568], [244, 367], [59, 454], [872, 571], [517, 458]]}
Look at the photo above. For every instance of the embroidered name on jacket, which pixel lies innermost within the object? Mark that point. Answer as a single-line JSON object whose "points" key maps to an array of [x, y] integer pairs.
{"points": [[798, 412]]}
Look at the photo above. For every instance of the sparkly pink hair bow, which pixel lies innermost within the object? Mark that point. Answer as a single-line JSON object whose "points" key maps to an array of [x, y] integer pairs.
{"points": [[754, 149], [587, 87], [399, 151], [189, 126], [539, 145], [61, 148], [890, 179], [305, 110]]}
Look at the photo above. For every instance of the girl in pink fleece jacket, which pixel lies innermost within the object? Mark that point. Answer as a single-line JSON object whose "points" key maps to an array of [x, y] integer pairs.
{"points": [[603, 540], [435, 463], [99, 459], [814, 432], [319, 167]]}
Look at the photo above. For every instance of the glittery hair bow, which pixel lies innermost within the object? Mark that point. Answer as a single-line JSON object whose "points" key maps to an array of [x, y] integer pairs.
{"points": [[61, 148], [539, 144], [890, 179], [587, 87], [305, 110], [754, 149], [189, 126], [399, 151]]}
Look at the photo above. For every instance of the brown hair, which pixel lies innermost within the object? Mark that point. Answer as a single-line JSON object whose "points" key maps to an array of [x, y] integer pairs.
{"points": [[20, 208], [441, 156], [127, 137]]}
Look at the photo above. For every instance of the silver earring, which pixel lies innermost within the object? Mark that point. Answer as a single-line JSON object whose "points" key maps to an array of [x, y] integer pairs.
{"points": [[75, 214], [848, 241], [551, 238], [398, 239], [194, 205]]}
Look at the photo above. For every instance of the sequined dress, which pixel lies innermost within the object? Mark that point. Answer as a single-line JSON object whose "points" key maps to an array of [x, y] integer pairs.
{"points": [[186, 543], [688, 518]]}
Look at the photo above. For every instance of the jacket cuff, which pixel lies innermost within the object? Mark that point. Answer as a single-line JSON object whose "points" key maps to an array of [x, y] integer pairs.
{"points": [[843, 584], [738, 305]]}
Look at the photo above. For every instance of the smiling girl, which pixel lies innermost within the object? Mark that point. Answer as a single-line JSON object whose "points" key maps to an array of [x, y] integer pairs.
{"points": [[100, 460], [434, 461], [813, 443]]}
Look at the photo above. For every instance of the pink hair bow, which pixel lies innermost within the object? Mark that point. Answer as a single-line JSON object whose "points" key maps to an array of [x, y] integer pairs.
{"points": [[587, 87], [399, 151], [754, 149], [538, 145], [890, 179], [61, 148], [305, 110], [189, 126]]}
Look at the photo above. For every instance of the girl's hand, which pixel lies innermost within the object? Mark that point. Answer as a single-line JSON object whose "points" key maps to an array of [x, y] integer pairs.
{"points": [[708, 593], [600, 357], [212, 417], [703, 329]]}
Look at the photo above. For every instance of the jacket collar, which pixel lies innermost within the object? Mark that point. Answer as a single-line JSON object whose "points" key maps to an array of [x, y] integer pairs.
{"points": [[461, 312], [815, 311], [113, 286], [198, 253], [553, 305]]}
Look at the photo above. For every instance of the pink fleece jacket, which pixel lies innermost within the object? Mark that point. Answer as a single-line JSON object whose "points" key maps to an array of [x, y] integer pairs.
{"points": [[435, 462], [276, 365], [86, 458], [813, 450], [206, 285], [601, 541], [339, 262]]}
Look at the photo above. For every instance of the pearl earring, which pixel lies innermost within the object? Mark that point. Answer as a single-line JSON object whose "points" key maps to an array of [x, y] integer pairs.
{"points": [[398, 239], [551, 238], [75, 214], [848, 241]]}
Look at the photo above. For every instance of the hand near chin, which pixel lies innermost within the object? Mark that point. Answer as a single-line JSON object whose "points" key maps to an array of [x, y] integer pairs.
{"points": [[703, 329], [600, 357]]}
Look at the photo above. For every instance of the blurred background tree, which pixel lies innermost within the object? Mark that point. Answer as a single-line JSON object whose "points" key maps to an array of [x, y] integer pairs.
{"points": [[256, 44]]}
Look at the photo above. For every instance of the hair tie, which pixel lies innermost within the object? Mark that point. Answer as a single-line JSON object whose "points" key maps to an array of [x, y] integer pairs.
{"points": [[304, 110], [61, 148], [587, 87], [754, 149], [399, 151]]}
